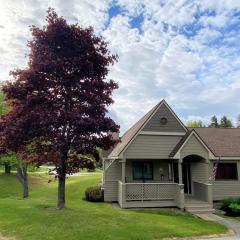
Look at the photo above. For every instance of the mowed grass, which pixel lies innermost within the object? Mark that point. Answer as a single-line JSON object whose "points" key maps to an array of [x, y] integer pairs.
{"points": [[36, 218]]}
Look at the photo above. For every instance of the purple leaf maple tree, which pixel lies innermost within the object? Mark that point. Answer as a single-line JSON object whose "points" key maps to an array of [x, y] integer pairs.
{"points": [[59, 101]]}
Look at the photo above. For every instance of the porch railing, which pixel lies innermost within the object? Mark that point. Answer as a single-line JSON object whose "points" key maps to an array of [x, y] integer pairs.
{"points": [[150, 191], [128, 192], [203, 191]]}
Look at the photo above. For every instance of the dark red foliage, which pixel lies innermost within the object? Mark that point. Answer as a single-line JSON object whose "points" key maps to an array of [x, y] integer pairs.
{"points": [[61, 98]]}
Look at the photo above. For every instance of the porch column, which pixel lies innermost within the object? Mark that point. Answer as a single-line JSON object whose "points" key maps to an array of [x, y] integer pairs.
{"points": [[210, 193], [123, 171], [123, 184], [180, 171]]}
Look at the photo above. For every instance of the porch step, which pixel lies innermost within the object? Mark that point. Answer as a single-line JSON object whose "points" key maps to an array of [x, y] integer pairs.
{"points": [[201, 211], [200, 205], [199, 208]]}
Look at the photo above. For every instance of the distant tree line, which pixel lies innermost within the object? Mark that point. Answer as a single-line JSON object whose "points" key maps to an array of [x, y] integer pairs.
{"points": [[223, 122]]}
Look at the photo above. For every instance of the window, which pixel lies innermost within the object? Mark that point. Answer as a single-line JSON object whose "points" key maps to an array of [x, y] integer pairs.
{"points": [[227, 171], [142, 170], [163, 121]]}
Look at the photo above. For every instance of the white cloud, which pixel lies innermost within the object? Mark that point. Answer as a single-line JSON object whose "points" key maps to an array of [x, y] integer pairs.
{"points": [[183, 51], [17, 15]]}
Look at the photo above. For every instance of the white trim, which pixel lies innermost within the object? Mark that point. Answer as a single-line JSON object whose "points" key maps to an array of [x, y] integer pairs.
{"points": [[160, 104], [225, 158], [207, 184], [113, 158], [162, 133], [177, 154], [150, 183], [111, 162]]}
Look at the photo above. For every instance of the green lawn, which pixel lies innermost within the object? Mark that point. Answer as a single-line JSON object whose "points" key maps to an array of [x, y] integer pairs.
{"points": [[36, 219]]}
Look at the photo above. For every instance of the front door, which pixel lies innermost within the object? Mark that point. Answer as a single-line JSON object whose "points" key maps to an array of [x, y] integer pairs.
{"points": [[187, 180]]}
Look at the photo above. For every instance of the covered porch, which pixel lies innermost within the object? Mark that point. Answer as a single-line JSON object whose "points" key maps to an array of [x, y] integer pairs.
{"points": [[174, 183]]}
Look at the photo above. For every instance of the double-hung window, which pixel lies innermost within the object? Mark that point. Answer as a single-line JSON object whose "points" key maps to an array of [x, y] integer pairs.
{"points": [[142, 170]]}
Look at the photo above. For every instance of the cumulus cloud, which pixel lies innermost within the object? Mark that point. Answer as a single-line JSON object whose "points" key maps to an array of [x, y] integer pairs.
{"points": [[184, 51]]}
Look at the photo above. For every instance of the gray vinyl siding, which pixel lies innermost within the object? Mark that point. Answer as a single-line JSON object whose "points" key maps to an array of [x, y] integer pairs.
{"points": [[229, 188], [194, 147], [152, 147], [200, 172], [157, 164], [172, 125], [112, 175]]}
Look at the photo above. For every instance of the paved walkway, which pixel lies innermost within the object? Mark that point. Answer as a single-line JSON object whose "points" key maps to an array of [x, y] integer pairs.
{"points": [[231, 224], [234, 227]]}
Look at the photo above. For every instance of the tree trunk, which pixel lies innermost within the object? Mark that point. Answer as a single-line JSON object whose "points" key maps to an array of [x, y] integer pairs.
{"points": [[23, 178], [61, 181], [25, 184], [7, 168], [61, 193]]}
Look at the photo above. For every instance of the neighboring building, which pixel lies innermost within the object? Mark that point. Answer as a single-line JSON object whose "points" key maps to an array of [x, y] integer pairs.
{"points": [[161, 163]]}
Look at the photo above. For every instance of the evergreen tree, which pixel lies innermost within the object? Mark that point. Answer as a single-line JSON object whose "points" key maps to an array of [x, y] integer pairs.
{"points": [[238, 121], [214, 122], [226, 122]]}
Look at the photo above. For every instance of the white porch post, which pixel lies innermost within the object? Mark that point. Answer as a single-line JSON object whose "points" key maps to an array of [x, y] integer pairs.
{"points": [[123, 162], [210, 193], [123, 172], [180, 171], [123, 185], [181, 197]]}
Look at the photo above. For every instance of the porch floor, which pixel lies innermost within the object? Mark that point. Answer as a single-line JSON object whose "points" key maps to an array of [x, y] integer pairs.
{"points": [[196, 206], [192, 200]]}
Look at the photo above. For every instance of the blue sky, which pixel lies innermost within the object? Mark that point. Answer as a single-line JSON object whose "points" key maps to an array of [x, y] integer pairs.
{"points": [[187, 52]]}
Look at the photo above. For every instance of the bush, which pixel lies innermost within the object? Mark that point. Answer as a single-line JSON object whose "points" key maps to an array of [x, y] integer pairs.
{"points": [[235, 208], [94, 194], [231, 206]]}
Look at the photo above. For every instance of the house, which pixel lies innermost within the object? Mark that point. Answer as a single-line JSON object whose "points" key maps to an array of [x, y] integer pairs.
{"points": [[162, 163]]}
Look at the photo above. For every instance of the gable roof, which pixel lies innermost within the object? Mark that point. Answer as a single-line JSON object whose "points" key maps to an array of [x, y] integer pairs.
{"points": [[221, 142], [136, 128], [129, 135], [179, 145], [224, 142], [184, 140]]}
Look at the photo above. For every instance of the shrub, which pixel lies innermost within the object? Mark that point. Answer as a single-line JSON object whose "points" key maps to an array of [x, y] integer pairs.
{"points": [[94, 194], [226, 202], [235, 208], [231, 206]]}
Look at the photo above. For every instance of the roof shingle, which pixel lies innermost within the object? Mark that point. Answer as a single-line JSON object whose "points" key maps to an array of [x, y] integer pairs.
{"points": [[224, 142]]}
